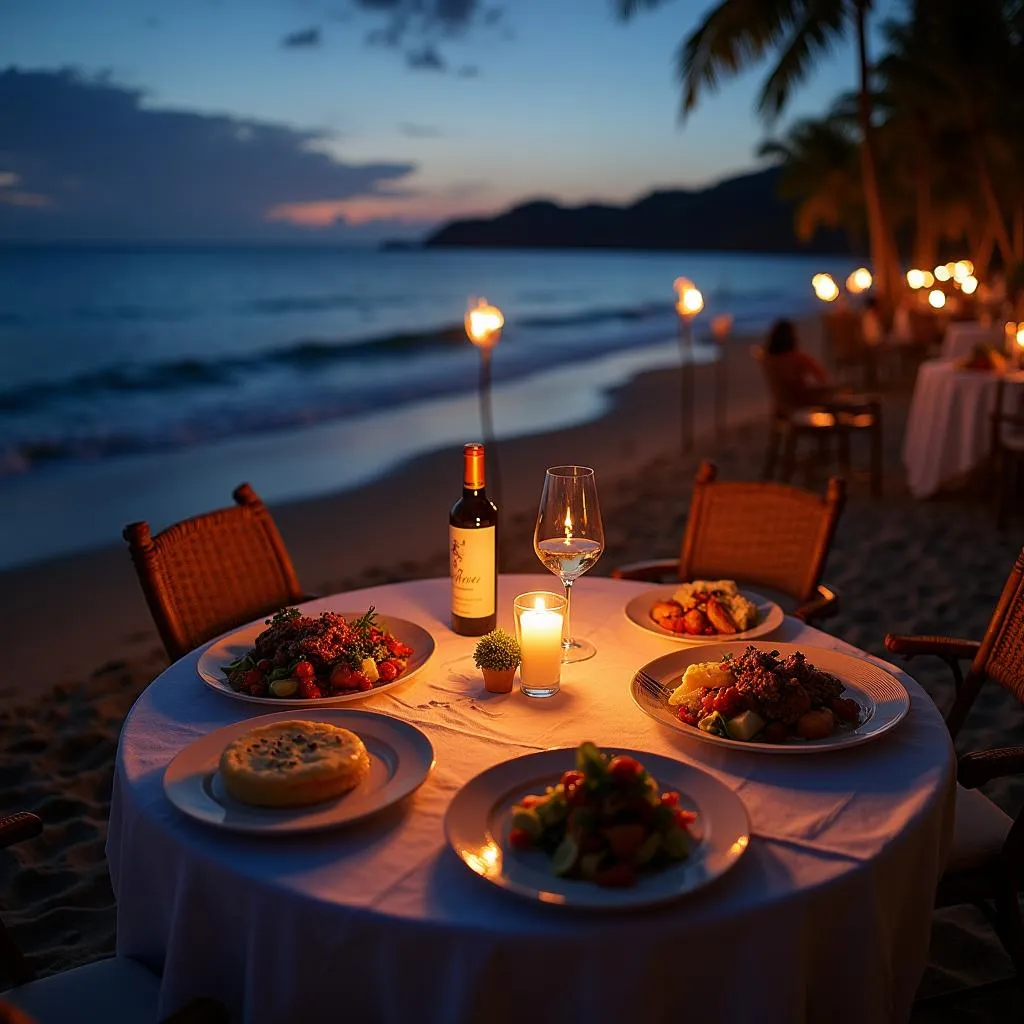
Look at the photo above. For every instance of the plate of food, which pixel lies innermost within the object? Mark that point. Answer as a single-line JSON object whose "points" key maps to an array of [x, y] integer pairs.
{"points": [[774, 698], [296, 660], [284, 773], [598, 829], [704, 611]]}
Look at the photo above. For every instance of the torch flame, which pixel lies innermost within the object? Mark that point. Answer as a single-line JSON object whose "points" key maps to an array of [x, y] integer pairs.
{"points": [[690, 303], [825, 287], [484, 323]]}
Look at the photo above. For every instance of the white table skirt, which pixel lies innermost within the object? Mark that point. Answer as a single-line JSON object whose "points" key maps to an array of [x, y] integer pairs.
{"points": [[961, 337], [827, 915], [949, 426]]}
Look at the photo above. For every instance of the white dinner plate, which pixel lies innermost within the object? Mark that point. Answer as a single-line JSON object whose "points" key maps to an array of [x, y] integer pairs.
{"points": [[883, 698], [401, 758], [477, 827], [638, 610], [239, 642]]}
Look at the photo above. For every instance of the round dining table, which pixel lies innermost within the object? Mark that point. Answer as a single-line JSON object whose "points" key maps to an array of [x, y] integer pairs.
{"points": [[825, 916], [949, 425]]}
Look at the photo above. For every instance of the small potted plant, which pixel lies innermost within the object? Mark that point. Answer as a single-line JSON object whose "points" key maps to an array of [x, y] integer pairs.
{"points": [[497, 656]]}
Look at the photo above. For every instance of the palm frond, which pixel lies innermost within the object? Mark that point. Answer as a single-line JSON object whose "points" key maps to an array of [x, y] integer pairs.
{"points": [[732, 36], [822, 24]]}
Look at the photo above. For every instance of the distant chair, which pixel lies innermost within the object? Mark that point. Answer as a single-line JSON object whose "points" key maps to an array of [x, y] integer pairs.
{"points": [[926, 330], [756, 532], [823, 423], [115, 989], [846, 348], [212, 572], [984, 866], [1007, 442]]}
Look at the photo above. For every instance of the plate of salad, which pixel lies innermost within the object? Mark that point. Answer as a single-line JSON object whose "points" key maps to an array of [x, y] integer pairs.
{"points": [[771, 698], [296, 660], [597, 829]]}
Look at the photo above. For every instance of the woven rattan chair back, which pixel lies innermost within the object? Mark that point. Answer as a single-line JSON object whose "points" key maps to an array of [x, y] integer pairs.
{"points": [[844, 337], [1001, 654], [214, 571], [760, 532]]}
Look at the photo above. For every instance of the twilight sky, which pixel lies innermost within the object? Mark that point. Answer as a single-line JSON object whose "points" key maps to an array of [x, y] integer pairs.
{"points": [[350, 119]]}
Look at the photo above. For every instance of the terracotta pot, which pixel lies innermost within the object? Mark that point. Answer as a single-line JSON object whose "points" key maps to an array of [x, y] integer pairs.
{"points": [[498, 680]]}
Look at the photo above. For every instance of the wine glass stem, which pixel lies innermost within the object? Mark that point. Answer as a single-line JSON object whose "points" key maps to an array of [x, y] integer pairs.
{"points": [[567, 641]]}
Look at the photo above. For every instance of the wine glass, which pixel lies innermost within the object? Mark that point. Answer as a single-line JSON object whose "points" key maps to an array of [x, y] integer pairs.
{"points": [[569, 538]]}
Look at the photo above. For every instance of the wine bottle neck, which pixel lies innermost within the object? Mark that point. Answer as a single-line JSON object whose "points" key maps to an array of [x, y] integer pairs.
{"points": [[473, 469]]}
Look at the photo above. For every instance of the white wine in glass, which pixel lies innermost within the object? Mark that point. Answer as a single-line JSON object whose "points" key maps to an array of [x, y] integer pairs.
{"points": [[569, 538]]}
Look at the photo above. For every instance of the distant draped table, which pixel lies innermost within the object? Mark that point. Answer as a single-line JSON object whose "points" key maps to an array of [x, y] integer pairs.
{"points": [[962, 336], [825, 917], [949, 426]]}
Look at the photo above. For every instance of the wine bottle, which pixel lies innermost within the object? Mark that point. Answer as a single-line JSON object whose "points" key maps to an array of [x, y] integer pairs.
{"points": [[473, 550]]}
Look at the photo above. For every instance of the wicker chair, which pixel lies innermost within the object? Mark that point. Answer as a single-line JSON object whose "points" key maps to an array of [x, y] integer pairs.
{"points": [[846, 348], [214, 571], [116, 990], [1007, 442], [837, 421], [761, 533], [987, 858]]}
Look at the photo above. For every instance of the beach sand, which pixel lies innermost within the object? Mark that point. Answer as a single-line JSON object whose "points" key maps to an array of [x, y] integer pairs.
{"points": [[79, 643]]}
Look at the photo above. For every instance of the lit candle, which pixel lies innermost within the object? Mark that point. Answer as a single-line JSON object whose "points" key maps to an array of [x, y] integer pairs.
{"points": [[540, 646]]}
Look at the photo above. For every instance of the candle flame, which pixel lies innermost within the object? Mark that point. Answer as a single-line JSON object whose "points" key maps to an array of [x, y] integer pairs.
{"points": [[538, 603], [1020, 335], [568, 525], [484, 323]]}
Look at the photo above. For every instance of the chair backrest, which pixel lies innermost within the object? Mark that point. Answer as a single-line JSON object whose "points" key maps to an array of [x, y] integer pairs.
{"points": [[844, 336], [1000, 656], [1007, 415], [925, 328], [760, 532], [214, 571]]}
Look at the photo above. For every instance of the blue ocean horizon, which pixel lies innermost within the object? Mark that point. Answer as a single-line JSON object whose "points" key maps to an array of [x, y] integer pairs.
{"points": [[113, 355]]}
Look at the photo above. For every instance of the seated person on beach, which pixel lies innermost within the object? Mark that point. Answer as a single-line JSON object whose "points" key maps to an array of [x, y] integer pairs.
{"points": [[797, 379]]}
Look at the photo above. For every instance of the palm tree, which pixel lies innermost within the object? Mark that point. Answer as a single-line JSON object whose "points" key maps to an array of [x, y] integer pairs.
{"points": [[820, 172], [737, 33], [952, 62]]}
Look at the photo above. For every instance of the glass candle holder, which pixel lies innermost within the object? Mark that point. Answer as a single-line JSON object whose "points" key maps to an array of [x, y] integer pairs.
{"points": [[540, 617]]}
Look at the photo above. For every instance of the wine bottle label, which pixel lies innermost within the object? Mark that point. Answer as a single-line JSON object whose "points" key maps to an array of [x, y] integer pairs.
{"points": [[472, 571]]}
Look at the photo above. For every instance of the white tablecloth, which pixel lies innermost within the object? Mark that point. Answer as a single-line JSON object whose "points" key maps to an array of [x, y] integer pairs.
{"points": [[949, 426], [826, 917], [961, 337]]}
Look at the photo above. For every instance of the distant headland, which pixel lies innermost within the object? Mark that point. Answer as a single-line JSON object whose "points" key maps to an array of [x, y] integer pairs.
{"points": [[740, 214]]}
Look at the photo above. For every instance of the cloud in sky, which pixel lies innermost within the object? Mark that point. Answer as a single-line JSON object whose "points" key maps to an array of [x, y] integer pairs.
{"points": [[425, 58], [303, 39], [417, 26], [84, 158]]}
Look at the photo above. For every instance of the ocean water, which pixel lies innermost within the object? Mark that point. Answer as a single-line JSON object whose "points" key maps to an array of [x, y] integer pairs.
{"points": [[114, 354]]}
